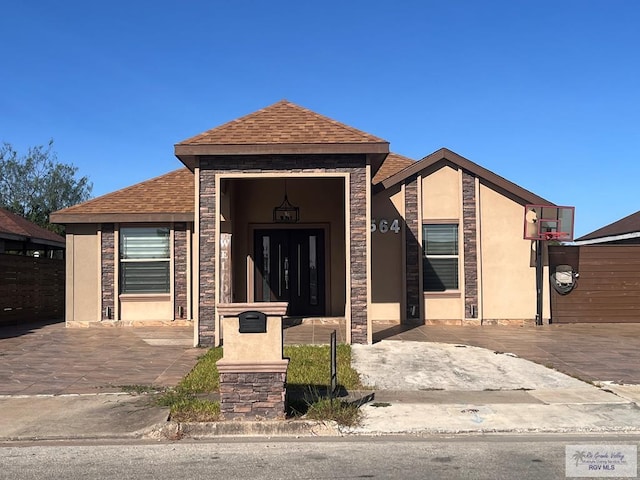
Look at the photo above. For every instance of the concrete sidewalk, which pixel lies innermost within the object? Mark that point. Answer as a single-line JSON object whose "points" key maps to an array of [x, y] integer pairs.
{"points": [[418, 388]]}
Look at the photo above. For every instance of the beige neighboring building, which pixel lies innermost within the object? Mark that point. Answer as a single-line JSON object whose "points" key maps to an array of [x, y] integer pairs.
{"points": [[287, 205]]}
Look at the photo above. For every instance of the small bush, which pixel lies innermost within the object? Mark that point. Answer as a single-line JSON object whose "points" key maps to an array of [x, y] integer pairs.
{"points": [[343, 413]]}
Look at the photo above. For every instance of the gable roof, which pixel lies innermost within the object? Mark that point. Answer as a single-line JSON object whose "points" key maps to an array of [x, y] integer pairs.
{"points": [[170, 197], [627, 225], [444, 156], [281, 128], [15, 227], [393, 164]]}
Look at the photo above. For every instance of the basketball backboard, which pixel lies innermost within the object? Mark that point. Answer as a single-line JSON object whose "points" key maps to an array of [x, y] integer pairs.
{"points": [[548, 222]]}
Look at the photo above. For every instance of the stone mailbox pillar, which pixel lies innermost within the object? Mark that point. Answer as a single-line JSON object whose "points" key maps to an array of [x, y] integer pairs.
{"points": [[253, 371]]}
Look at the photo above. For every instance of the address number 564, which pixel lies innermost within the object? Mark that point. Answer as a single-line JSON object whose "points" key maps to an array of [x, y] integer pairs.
{"points": [[383, 226]]}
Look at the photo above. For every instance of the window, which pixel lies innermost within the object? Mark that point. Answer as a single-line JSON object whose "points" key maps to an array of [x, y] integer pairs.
{"points": [[440, 257], [144, 260]]}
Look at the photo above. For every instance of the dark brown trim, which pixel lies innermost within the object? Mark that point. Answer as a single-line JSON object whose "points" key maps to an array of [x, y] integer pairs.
{"points": [[487, 177], [187, 153]]}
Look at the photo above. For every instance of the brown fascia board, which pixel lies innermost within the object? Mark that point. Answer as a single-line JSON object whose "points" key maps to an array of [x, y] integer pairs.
{"points": [[63, 218], [444, 155], [628, 224], [188, 153]]}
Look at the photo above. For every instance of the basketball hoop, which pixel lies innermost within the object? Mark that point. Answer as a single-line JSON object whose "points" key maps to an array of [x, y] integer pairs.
{"points": [[555, 236]]}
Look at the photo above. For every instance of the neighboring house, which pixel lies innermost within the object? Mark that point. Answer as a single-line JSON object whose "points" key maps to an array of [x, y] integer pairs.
{"points": [[32, 277], [285, 204], [21, 237], [607, 288]]}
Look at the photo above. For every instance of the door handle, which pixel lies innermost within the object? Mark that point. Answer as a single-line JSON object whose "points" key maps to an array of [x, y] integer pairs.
{"points": [[286, 273]]}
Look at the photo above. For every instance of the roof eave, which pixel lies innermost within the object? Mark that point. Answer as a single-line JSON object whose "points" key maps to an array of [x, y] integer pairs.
{"points": [[187, 153], [68, 218], [488, 176]]}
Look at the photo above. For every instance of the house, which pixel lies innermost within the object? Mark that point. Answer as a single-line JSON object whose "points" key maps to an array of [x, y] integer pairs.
{"points": [[606, 267], [285, 204], [32, 276], [21, 237]]}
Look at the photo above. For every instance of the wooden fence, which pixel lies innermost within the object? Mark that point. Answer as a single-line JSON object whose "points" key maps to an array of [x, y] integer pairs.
{"points": [[31, 289], [608, 286]]}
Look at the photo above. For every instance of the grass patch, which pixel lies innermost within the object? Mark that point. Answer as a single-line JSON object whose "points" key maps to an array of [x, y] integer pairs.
{"points": [[343, 413], [308, 378], [184, 404], [204, 377], [309, 365], [139, 389]]}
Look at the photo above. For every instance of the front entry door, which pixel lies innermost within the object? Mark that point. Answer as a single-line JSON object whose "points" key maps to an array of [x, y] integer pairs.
{"points": [[290, 268]]}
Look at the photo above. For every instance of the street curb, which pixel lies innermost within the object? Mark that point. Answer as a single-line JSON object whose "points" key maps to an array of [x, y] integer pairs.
{"points": [[286, 428]]}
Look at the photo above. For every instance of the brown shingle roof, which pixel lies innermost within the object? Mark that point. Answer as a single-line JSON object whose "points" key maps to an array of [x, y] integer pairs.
{"points": [[12, 224], [393, 164], [168, 197], [283, 128], [282, 123], [444, 155], [628, 224]]}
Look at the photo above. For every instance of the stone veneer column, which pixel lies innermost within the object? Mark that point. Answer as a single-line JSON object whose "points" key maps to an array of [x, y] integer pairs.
{"points": [[358, 248], [469, 231], [207, 274], [107, 265], [413, 248], [180, 269], [353, 164]]}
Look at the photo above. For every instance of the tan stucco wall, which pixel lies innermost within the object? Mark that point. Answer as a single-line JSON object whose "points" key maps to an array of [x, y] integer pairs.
{"points": [[321, 203], [387, 260], [508, 277], [83, 274], [140, 308], [441, 195]]}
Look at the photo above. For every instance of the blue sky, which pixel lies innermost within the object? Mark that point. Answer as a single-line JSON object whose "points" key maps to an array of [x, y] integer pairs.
{"points": [[545, 93]]}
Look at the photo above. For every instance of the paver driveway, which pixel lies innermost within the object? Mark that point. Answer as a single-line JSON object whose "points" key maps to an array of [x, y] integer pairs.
{"points": [[42, 358]]}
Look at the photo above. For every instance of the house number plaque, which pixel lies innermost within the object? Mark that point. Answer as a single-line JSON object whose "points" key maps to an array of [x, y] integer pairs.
{"points": [[384, 226]]}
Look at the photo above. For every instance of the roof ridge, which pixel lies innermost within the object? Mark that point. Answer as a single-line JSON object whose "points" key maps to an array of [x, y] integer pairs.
{"points": [[335, 122], [282, 109]]}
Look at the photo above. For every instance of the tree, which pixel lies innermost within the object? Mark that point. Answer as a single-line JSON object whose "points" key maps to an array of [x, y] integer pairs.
{"points": [[36, 184]]}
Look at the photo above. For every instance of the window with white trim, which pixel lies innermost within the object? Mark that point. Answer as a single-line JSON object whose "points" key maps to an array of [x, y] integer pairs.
{"points": [[440, 257], [144, 260]]}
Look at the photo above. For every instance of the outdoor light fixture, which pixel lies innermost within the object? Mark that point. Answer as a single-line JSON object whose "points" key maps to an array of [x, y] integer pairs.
{"points": [[286, 212]]}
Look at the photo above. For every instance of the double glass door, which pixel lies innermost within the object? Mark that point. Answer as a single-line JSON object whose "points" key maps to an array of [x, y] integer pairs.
{"points": [[290, 268]]}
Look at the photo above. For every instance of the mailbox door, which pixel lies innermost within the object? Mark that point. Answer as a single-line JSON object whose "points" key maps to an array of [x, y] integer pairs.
{"points": [[290, 267]]}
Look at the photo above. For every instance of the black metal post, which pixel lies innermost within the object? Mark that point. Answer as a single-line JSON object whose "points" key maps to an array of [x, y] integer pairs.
{"points": [[539, 272]]}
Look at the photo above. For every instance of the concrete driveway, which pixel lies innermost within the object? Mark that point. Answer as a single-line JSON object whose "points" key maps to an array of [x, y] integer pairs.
{"points": [[41, 358], [604, 352]]}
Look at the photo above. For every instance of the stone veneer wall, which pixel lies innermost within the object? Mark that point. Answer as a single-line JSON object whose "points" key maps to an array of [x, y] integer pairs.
{"points": [[412, 248], [180, 269], [469, 230], [355, 165], [251, 396], [107, 265]]}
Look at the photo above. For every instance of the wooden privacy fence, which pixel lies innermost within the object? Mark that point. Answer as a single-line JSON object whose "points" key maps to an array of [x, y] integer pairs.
{"points": [[608, 286], [31, 289]]}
